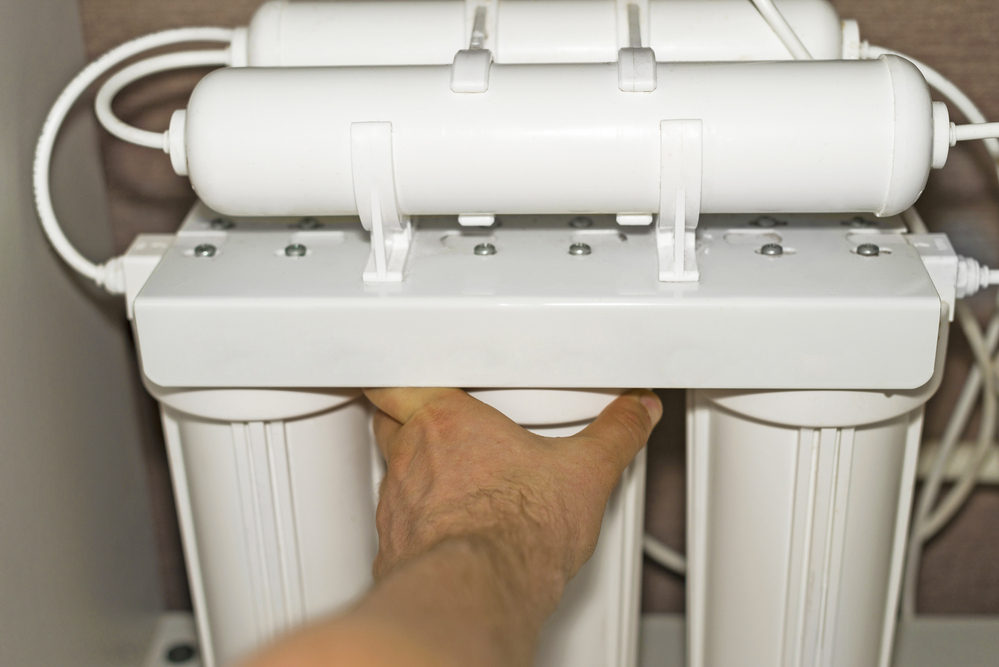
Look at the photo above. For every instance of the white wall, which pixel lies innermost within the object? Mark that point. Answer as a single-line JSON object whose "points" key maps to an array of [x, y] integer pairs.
{"points": [[78, 582]]}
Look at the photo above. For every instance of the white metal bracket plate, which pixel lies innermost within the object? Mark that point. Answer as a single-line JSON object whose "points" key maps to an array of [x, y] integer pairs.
{"points": [[533, 315]]}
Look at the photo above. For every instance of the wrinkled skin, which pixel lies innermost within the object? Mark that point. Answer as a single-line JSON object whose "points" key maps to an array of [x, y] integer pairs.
{"points": [[480, 524]]}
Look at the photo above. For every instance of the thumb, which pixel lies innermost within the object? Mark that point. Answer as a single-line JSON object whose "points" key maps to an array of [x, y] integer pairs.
{"points": [[624, 426]]}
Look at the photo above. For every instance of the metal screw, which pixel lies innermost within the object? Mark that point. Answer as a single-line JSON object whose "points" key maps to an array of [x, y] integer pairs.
{"points": [[581, 222], [772, 250], [859, 221], [295, 250], [766, 222], [205, 250], [222, 223], [579, 249], [309, 223], [868, 250], [179, 653], [484, 249]]}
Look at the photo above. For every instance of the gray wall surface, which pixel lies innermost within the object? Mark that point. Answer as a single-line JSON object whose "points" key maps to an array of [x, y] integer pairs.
{"points": [[78, 579]]}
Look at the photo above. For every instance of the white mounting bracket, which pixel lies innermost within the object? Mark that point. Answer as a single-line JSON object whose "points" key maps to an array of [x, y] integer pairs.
{"points": [[470, 69], [477, 219], [636, 66], [679, 200], [377, 205]]}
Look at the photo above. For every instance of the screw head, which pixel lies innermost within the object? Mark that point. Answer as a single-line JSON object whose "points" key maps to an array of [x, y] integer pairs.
{"points": [[295, 250], [868, 250], [579, 249], [766, 222], [205, 250], [859, 221], [309, 223], [222, 223], [179, 653], [485, 249], [581, 222], [772, 250]]}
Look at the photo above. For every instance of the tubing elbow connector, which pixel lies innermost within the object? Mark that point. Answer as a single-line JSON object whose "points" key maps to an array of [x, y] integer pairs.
{"points": [[111, 275], [973, 277]]}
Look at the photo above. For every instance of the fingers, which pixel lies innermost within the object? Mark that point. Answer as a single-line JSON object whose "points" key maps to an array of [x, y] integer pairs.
{"points": [[385, 429], [401, 403], [624, 426]]}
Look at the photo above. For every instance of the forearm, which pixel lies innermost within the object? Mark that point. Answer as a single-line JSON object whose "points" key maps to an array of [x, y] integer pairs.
{"points": [[480, 524], [464, 602]]}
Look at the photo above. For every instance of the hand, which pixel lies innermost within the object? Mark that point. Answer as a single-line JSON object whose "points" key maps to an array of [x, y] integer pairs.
{"points": [[481, 524], [459, 468]]}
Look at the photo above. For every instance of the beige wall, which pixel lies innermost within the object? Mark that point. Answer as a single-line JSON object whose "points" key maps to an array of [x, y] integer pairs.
{"points": [[78, 579], [961, 570]]}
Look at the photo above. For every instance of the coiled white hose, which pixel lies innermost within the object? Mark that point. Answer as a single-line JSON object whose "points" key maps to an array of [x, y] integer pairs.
{"points": [[927, 521], [140, 70], [109, 275]]}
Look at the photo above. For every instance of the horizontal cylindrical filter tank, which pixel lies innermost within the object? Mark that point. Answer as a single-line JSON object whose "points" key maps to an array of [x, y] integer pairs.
{"points": [[430, 32], [775, 137]]}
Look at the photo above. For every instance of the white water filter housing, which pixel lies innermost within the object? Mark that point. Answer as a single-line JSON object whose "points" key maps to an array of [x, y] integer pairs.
{"points": [[775, 137], [276, 495], [430, 32], [554, 129]]}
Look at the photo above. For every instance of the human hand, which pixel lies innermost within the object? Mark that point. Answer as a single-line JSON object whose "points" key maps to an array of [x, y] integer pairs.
{"points": [[481, 524], [458, 468]]}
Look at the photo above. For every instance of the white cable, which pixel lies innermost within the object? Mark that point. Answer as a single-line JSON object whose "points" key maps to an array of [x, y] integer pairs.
{"points": [[955, 499], [782, 29], [947, 508], [914, 221], [959, 417], [956, 425], [973, 132], [660, 553], [140, 70], [109, 275]]}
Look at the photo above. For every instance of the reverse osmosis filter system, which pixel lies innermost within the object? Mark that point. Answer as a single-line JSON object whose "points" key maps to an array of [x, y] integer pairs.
{"points": [[546, 202]]}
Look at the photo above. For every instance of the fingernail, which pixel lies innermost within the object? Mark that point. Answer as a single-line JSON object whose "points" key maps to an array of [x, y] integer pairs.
{"points": [[653, 405]]}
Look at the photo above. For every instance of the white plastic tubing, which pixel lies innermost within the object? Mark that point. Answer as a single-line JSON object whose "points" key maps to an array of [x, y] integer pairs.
{"points": [[927, 520], [782, 29], [777, 137], [109, 275], [140, 70]]}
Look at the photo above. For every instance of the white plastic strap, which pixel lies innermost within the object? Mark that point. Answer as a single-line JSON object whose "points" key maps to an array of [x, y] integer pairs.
{"points": [[377, 206], [679, 200], [636, 66], [470, 69]]}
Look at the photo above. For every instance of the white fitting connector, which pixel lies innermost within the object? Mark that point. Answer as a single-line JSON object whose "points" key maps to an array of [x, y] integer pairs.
{"points": [[175, 142], [973, 277]]}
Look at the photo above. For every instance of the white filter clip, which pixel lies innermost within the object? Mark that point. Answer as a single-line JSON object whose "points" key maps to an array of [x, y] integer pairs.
{"points": [[377, 205]]}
